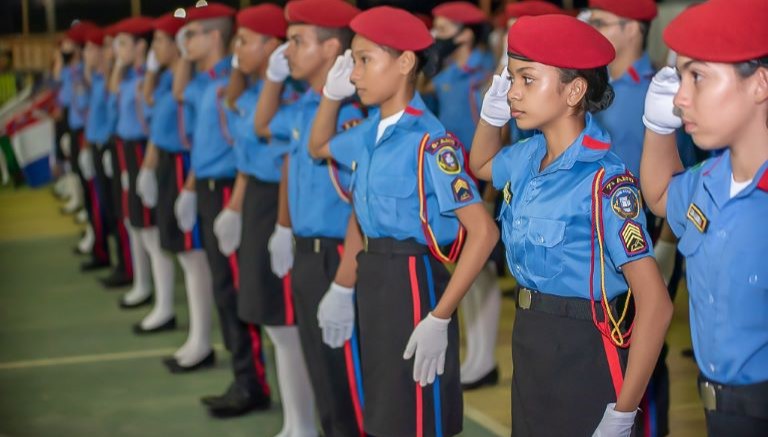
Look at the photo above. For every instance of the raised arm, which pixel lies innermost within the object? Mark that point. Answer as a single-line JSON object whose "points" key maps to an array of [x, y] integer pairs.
{"points": [[494, 116], [269, 99], [337, 88]]}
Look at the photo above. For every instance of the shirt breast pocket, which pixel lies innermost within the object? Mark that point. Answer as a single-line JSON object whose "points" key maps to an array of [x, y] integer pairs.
{"points": [[690, 242], [544, 247], [390, 200]]}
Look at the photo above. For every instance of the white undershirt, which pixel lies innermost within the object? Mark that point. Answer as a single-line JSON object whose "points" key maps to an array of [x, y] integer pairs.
{"points": [[387, 122], [738, 187]]}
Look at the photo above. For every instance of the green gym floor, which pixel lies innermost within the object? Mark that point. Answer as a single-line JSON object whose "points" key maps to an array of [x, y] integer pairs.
{"points": [[70, 365]]}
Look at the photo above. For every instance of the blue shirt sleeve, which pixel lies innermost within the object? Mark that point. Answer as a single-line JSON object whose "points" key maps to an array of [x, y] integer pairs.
{"points": [[625, 235], [510, 162], [345, 146], [679, 196], [446, 171]]}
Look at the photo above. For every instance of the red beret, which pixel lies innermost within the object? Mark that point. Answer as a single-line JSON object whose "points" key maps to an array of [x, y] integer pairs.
{"points": [[266, 19], [640, 10], [560, 41], [721, 31], [460, 12], [134, 26], [392, 27], [207, 11], [79, 30], [110, 30], [94, 36], [169, 24], [531, 8], [426, 19], [323, 13]]}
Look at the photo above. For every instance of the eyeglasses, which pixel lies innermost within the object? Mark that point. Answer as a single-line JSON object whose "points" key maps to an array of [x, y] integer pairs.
{"points": [[599, 24]]}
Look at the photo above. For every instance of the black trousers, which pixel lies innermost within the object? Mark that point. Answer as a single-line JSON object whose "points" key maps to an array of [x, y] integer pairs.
{"points": [[338, 390], [243, 340], [130, 155], [111, 216], [741, 411], [100, 251]]}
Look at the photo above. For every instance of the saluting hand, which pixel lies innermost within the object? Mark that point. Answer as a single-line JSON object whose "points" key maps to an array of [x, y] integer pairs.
{"points": [[278, 69], [336, 315], [337, 84], [660, 114], [495, 106], [428, 342]]}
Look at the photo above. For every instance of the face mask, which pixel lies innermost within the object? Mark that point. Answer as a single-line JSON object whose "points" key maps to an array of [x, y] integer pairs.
{"points": [[445, 47]]}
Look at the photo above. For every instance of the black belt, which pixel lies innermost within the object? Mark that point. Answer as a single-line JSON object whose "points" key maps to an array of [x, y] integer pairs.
{"points": [[394, 247], [571, 307], [316, 245], [214, 184], [749, 400]]}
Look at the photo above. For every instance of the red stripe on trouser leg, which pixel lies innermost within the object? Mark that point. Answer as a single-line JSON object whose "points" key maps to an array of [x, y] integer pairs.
{"points": [[646, 412], [256, 353], [416, 299], [139, 161], [98, 247], [614, 365], [350, 367], [179, 187], [227, 194], [122, 233], [290, 319], [120, 149]]}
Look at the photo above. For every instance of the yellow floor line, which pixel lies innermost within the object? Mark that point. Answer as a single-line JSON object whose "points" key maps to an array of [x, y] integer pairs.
{"points": [[486, 421]]}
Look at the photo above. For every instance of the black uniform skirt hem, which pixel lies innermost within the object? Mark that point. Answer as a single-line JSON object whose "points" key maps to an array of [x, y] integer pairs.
{"points": [[394, 293], [264, 298], [171, 172]]}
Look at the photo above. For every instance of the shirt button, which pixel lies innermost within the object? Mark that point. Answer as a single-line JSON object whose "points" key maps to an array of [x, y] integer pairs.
{"points": [[753, 279], [540, 239], [518, 221], [721, 234], [517, 267], [711, 367], [711, 299]]}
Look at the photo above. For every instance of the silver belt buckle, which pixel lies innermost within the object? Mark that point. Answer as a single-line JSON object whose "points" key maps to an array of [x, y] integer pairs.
{"points": [[211, 185], [365, 243], [524, 297], [708, 396], [316, 245]]}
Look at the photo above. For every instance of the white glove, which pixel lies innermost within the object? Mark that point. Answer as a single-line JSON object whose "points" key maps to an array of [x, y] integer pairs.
{"points": [[495, 106], [337, 84], [106, 161], [615, 423], [235, 62], [152, 64], [186, 210], [336, 315], [181, 39], [278, 69], [146, 187], [281, 250], [660, 114], [228, 227], [428, 342], [85, 161], [125, 181]]}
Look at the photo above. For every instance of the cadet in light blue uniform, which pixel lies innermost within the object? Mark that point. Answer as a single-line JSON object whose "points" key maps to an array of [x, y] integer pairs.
{"points": [[207, 191], [415, 205], [717, 209], [575, 236]]}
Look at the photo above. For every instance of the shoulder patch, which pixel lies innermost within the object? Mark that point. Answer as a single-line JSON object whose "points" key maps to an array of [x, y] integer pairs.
{"points": [[440, 143], [447, 160], [626, 203], [633, 238], [697, 217], [507, 192], [462, 190], [616, 182]]}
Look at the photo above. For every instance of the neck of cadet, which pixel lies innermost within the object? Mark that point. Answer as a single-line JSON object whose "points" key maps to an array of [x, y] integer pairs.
{"points": [[749, 150], [560, 134], [624, 59]]}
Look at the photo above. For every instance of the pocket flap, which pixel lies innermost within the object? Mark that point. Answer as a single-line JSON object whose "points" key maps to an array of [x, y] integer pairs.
{"points": [[393, 186], [546, 232]]}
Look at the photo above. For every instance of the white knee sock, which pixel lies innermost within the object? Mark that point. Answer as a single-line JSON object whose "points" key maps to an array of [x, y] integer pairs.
{"points": [[481, 343], [85, 245], [163, 277], [142, 281], [293, 380], [665, 257], [199, 286]]}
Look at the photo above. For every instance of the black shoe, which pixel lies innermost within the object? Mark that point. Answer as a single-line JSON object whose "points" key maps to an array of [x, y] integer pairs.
{"points": [[129, 306], [92, 265], [174, 366], [116, 279], [170, 325], [491, 378], [235, 402]]}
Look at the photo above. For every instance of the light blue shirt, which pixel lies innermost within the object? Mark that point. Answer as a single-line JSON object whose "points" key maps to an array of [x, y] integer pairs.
{"points": [[100, 124], [385, 191], [624, 118], [79, 97], [725, 244], [316, 207], [213, 153], [132, 113], [457, 90], [164, 129], [546, 215]]}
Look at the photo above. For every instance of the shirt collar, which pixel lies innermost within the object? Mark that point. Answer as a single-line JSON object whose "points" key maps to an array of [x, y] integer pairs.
{"points": [[592, 144], [640, 70], [411, 115], [221, 69], [717, 179], [473, 62]]}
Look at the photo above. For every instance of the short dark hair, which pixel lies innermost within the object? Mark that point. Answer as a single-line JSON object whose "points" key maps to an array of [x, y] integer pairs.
{"points": [[748, 68], [481, 32], [599, 94], [427, 61], [343, 34], [645, 29]]}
